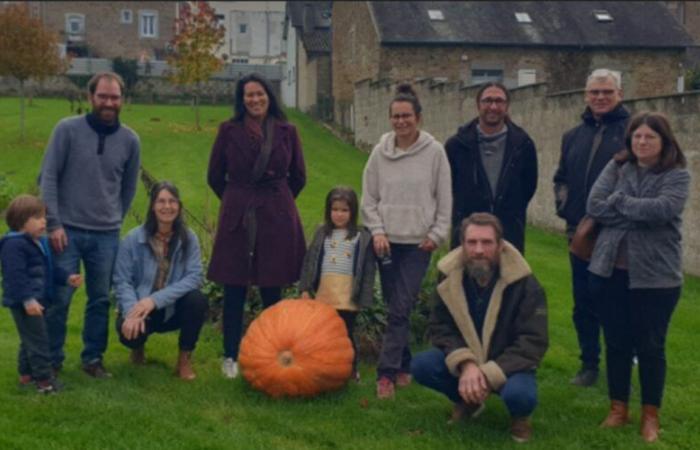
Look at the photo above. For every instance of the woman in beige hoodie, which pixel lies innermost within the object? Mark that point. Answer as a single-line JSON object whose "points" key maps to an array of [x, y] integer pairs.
{"points": [[407, 205]]}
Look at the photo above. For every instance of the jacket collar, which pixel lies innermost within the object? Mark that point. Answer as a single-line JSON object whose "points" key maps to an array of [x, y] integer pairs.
{"points": [[512, 265], [617, 114]]}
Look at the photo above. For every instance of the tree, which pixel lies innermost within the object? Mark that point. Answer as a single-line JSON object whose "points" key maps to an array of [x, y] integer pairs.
{"points": [[27, 50], [198, 35]]}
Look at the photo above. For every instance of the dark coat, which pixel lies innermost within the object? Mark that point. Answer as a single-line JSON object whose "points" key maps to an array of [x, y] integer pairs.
{"points": [[280, 247], [514, 337], [363, 269], [471, 190], [28, 271], [571, 185]]}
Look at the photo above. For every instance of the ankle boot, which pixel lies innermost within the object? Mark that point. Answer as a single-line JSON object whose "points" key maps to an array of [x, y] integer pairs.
{"points": [[138, 356], [618, 415], [184, 366], [649, 428]]}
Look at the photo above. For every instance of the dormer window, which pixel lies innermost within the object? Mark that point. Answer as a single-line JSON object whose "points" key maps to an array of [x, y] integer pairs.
{"points": [[602, 15], [436, 14], [523, 17]]}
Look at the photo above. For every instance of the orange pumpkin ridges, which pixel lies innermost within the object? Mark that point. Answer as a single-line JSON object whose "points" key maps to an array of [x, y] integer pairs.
{"points": [[297, 348]]}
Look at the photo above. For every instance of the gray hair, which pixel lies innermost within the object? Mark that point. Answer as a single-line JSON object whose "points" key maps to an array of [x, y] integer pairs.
{"points": [[604, 75]]}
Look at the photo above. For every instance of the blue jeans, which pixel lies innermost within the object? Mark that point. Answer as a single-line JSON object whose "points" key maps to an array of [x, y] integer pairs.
{"points": [[98, 251], [585, 315], [519, 393]]}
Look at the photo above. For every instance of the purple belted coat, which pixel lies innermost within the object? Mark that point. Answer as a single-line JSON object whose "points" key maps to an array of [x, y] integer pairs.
{"points": [[279, 245]]}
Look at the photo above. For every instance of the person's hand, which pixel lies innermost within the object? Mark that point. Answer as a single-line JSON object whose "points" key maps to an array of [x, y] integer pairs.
{"points": [[473, 387], [427, 245], [381, 245], [133, 327], [75, 280], [58, 240], [34, 309], [142, 309], [306, 295]]}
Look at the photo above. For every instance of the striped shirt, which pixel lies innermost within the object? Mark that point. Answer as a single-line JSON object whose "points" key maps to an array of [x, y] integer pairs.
{"points": [[338, 253]]}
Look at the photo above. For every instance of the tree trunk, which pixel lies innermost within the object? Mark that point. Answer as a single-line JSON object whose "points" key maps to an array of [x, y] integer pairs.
{"points": [[21, 110]]}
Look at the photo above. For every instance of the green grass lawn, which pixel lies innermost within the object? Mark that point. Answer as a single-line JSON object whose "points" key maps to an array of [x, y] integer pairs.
{"points": [[147, 407]]}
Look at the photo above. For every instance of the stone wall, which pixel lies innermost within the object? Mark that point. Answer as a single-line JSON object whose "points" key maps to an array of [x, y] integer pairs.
{"points": [[546, 117]]}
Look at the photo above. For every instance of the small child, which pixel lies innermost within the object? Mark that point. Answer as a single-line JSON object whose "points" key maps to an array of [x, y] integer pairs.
{"points": [[340, 263], [28, 278]]}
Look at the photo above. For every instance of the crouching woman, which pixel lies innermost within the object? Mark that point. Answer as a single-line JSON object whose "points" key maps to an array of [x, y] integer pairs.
{"points": [[157, 278]]}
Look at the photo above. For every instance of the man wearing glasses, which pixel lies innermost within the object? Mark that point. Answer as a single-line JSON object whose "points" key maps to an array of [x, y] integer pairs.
{"points": [[585, 150], [88, 180], [494, 167]]}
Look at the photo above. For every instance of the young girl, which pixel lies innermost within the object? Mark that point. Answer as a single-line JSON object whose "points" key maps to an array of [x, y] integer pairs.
{"points": [[339, 265]]}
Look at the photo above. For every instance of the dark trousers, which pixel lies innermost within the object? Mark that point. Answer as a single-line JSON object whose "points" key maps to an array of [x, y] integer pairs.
{"points": [[635, 321], [401, 281], [234, 305], [585, 315], [34, 356], [519, 393], [349, 319], [190, 314]]}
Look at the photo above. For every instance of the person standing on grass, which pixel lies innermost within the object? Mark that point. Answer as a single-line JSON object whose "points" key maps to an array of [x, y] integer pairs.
{"points": [[494, 166], [585, 150], [340, 264], [88, 181], [157, 279], [257, 169], [489, 327], [406, 204], [28, 280], [636, 266]]}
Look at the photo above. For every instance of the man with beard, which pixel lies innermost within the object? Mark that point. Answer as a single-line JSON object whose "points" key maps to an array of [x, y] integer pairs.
{"points": [[494, 166], [489, 327], [88, 180]]}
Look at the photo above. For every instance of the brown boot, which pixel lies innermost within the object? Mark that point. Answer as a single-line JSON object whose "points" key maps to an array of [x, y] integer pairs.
{"points": [[138, 356], [184, 366], [649, 428], [618, 415]]}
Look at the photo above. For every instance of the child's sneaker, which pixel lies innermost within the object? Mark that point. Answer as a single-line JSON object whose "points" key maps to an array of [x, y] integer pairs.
{"points": [[50, 386], [25, 380], [385, 388]]}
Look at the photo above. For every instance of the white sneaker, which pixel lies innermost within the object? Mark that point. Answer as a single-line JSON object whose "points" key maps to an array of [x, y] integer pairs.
{"points": [[229, 368]]}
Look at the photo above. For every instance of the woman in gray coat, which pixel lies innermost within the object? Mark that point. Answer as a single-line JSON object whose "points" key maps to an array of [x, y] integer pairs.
{"points": [[636, 264]]}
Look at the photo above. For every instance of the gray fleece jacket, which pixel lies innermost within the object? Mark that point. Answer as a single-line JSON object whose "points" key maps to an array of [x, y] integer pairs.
{"points": [[645, 209], [407, 194]]}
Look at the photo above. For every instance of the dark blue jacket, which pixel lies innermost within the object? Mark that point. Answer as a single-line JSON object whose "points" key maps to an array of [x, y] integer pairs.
{"points": [[27, 270]]}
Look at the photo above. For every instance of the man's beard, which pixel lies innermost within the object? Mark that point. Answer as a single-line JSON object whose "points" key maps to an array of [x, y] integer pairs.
{"points": [[98, 112], [480, 269]]}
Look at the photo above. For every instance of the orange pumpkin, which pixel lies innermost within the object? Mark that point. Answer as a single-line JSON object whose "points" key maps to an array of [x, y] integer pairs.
{"points": [[297, 348]]}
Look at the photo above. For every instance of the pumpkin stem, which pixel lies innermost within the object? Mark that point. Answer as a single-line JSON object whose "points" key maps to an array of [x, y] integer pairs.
{"points": [[285, 358]]}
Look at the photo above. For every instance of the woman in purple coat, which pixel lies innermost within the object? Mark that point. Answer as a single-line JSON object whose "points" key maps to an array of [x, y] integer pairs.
{"points": [[257, 169]]}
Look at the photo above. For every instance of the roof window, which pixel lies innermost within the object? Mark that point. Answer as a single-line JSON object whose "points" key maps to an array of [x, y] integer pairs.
{"points": [[523, 17], [436, 14], [602, 15]]}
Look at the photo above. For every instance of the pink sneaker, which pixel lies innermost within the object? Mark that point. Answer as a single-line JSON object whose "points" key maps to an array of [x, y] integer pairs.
{"points": [[385, 388], [403, 379]]}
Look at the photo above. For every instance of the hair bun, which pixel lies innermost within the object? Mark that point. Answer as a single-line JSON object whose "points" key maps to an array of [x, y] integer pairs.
{"points": [[405, 88]]}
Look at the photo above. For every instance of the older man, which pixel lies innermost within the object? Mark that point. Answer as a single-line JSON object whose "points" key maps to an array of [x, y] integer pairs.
{"points": [[489, 327], [585, 151]]}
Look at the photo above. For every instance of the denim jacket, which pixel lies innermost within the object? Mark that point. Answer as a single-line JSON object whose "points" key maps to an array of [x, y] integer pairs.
{"points": [[136, 268]]}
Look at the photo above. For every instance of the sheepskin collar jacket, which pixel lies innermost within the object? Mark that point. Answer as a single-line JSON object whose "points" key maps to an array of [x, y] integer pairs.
{"points": [[514, 336]]}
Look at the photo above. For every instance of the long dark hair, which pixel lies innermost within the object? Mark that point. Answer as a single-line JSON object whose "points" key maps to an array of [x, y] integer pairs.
{"points": [[405, 93], [343, 194], [671, 154], [239, 108], [179, 227]]}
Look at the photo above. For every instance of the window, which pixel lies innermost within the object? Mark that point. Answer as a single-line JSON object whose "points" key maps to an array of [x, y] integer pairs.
{"points": [[480, 76], [148, 24], [127, 16], [523, 17], [527, 76], [75, 23], [436, 14], [239, 60], [243, 28], [602, 15]]}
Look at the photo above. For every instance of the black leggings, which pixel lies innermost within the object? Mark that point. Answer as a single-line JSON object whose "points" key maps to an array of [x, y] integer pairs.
{"points": [[234, 305]]}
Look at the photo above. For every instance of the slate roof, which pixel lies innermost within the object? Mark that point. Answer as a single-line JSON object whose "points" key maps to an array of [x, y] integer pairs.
{"points": [[639, 24], [318, 39]]}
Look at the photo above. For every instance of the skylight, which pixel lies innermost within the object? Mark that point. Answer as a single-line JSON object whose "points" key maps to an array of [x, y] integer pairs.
{"points": [[435, 14], [523, 17], [602, 15]]}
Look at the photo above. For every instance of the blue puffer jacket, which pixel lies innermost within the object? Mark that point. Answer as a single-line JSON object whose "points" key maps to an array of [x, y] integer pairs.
{"points": [[27, 270]]}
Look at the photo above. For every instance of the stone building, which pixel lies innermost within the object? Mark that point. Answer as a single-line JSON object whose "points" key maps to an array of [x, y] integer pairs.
{"points": [[688, 14], [518, 43], [307, 84]]}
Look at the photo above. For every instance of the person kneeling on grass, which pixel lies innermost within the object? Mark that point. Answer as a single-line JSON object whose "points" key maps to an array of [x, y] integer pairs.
{"points": [[157, 278], [489, 325], [28, 279]]}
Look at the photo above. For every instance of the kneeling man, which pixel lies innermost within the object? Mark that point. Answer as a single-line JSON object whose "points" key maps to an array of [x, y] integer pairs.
{"points": [[489, 327]]}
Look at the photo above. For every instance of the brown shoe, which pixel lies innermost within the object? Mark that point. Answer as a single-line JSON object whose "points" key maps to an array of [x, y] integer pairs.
{"points": [[649, 428], [618, 415], [385, 388], [520, 429], [184, 366], [403, 379], [96, 370], [138, 356], [462, 410]]}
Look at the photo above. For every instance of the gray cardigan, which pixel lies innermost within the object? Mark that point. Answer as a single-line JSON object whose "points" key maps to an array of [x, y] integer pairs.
{"points": [[645, 209]]}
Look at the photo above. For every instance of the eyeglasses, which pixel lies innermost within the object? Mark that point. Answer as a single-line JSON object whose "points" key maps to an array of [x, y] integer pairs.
{"points": [[404, 116], [105, 97], [598, 92], [498, 101]]}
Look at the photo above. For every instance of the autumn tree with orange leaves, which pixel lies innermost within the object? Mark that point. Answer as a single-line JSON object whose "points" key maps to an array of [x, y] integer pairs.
{"points": [[198, 35], [27, 50]]}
